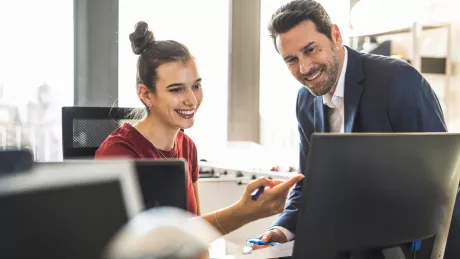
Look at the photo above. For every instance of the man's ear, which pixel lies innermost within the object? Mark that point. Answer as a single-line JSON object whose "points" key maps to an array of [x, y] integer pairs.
{"points": [[336, 35], [144, 94]]}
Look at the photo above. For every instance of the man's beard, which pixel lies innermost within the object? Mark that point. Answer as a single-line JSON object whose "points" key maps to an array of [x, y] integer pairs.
{"points": [[330, 72]]}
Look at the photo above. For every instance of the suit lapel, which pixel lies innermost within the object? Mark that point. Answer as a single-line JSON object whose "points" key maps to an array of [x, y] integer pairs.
{"points": [[319, 114], [353, 88]]}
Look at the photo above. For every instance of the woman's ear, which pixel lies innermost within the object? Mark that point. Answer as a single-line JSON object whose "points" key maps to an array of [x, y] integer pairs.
{"points": [[144, 94]]}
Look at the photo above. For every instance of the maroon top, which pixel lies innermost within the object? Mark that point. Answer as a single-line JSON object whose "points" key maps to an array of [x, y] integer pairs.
{"points": [[128, 142]]}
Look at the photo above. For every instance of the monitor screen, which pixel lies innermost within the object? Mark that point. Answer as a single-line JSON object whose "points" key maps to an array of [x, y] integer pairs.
{"points": [[56, 212], [163, 183], [381, 190], [71, 222]]}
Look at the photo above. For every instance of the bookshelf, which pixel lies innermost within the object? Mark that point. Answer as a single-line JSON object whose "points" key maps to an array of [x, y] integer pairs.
{"points": [[433, 68]]}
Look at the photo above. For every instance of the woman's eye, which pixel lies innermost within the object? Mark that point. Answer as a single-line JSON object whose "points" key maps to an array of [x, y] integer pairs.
{"points": [[197, 86]]}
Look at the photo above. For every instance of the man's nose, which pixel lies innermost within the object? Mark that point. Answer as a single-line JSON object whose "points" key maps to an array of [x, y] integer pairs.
{"points": [[305, 65]]}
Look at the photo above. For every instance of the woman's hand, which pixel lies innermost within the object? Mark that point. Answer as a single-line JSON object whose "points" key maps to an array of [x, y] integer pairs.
{"points": [[270, 202]]}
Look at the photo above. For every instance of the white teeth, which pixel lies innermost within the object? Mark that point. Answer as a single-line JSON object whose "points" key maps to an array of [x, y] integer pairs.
{"points": [[314, 76], [186, 112]]}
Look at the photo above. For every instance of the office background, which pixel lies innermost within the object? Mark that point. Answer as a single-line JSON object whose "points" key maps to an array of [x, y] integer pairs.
{"points": [[56, 53]]}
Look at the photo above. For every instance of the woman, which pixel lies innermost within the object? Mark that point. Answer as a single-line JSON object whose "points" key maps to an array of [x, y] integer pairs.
{"points": [[169, 85]]}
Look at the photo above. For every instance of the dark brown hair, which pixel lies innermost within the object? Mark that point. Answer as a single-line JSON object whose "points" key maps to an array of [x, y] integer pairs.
{"points": [[291, 14], [153, 53]]}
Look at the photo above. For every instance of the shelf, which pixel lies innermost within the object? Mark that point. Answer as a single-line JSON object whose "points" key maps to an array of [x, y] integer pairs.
{"points": [[405, 29], [432, 65]]}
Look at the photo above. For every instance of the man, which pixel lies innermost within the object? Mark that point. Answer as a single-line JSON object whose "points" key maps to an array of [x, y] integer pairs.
{"points": [[345, 91]]}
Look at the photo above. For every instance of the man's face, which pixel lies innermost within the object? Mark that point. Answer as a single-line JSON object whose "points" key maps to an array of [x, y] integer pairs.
{"points": [[313, 59]]}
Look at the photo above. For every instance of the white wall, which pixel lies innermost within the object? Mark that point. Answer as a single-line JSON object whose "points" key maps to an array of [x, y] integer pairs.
{"points": [[205, 32]]}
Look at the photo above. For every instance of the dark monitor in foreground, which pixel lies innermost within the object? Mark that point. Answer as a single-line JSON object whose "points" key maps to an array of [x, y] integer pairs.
{"points": [[68, 210], [163, 183], [366, 192]]}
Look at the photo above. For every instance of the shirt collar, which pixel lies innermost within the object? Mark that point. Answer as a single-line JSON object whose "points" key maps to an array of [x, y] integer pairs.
{"points": [[340, 88]]}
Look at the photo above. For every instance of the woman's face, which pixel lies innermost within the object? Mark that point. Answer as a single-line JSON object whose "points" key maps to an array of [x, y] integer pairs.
{"points": [[178, 94]]}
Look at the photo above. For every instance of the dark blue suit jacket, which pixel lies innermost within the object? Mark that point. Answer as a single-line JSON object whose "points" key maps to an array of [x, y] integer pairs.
{"points": [[381, 95]]}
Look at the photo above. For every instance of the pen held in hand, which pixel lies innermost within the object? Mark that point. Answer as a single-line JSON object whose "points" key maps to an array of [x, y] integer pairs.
{"points": [[255, 194], [259, 242]]}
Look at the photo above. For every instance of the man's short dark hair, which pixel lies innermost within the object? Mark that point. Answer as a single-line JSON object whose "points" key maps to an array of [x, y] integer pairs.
{"points": [[291, 14]]}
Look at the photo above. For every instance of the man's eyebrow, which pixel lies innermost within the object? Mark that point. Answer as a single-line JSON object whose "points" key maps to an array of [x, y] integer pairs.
{"points": [[304, 48], [288, 58]]}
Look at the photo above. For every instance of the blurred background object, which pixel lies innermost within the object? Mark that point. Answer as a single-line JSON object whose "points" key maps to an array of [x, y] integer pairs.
{"points": [[163, 233]]}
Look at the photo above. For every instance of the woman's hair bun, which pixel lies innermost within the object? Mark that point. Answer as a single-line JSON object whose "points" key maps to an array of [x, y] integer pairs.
{"points": [[141, 38]]}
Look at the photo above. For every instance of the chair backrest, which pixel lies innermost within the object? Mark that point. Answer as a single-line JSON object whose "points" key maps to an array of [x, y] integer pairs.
{"points": [[85, 128]]}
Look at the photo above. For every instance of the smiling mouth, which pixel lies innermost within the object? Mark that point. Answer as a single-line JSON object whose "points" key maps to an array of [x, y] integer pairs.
{"points": [[314, 76], [186, 114]]}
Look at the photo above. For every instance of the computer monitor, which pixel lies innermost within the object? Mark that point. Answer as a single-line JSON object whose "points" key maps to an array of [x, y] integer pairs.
{"points": [[163, 182], [374, 191], [66, 210], [15, 161]]}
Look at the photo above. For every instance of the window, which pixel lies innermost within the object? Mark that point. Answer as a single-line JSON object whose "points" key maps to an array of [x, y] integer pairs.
{"points": [[201, 25], [36, 74], [278, 93]]}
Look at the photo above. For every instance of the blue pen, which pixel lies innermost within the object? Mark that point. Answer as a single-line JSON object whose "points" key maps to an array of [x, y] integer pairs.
{"points": [[255, 194], [259, 242]]}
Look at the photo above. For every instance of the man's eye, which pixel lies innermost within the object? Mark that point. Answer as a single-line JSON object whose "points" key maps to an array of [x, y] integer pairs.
{"points": [[291, 61], [310, 50], [175, 90], [197, 86]]}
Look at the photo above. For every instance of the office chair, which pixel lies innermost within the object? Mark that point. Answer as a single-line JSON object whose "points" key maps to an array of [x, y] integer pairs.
{"points": [[85, 128]]}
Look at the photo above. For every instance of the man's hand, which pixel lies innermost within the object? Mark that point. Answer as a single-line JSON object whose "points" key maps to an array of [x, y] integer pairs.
{"points": [[273, 235]]}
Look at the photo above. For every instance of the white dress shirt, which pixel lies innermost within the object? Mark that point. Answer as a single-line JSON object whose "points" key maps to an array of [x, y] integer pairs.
{"points": [[334, 100]]}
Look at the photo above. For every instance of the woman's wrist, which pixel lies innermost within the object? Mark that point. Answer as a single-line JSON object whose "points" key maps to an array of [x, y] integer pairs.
{"points": [[243, 212]]}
